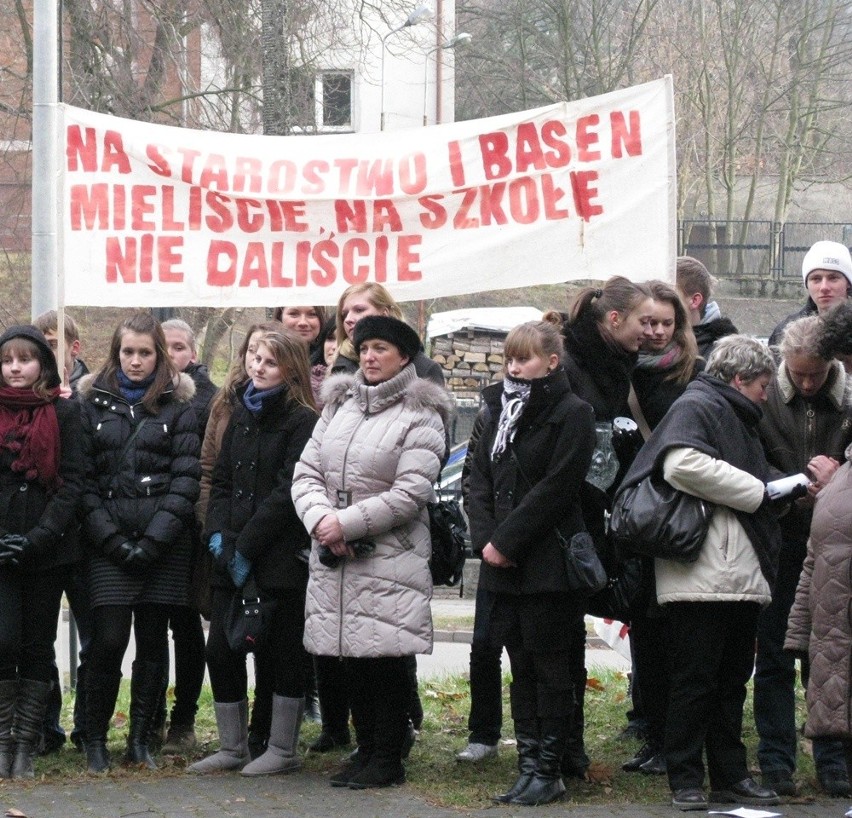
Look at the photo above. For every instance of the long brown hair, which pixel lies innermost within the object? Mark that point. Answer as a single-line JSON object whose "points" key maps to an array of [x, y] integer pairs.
{"points": [[291, 355], [618, 294], [683, 335], [142, 323], [237, 374]]}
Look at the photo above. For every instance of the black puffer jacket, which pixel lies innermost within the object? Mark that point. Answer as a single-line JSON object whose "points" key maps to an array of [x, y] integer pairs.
{"points": [[205, 390], [517, 502], [48, 519], [148, 491], [250, 502]]}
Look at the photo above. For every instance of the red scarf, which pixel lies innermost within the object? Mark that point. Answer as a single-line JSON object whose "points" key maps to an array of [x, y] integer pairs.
{"points": [[29, 428]]}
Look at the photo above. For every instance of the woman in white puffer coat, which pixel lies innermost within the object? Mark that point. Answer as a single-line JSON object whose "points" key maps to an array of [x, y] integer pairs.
{"points": [[361, 491]]}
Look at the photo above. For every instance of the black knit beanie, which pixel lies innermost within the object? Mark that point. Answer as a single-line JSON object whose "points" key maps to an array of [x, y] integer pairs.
{"points": [[385, 328]]}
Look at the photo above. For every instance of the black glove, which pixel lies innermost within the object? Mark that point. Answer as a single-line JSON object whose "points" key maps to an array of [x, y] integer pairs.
{"points": [[12, 548], [140, 557], [118, 554]]}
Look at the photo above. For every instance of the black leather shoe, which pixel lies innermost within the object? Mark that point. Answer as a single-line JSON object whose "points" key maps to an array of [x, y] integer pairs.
{"points": [[781, 781], [644, 754], [834, 783], [655, 765], [747, 791], [689, 798]]}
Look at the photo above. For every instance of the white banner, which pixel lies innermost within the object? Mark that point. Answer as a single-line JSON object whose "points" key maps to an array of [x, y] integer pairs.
{"points": [[154, 215]]}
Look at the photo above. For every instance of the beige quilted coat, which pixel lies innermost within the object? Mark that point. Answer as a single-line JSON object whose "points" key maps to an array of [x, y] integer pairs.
{"points": [[383, 444], [821, 618]]}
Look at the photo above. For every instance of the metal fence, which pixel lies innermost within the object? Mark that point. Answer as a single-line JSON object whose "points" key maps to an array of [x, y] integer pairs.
{"points": [[755, 249]]}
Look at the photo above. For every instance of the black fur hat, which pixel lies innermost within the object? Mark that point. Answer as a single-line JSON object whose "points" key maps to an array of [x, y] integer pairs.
{"points": [[392, 330]]}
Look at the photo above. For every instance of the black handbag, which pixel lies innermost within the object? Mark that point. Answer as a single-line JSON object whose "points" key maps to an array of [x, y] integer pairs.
{"points": [[656, 520], [246, 619], [620, 593], [586, 574], [447, 528]]}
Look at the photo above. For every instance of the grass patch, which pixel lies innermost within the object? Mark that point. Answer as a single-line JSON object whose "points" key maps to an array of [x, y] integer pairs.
{"points": [[433, 772], [443, 622]]}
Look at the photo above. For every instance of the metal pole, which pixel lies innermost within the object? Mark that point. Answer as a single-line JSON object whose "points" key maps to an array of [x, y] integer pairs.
{"points": [[45, 213]]}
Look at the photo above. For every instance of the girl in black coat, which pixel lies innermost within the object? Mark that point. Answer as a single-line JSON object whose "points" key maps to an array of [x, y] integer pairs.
{"points": [[528, 467], [41, 479], [668, 361], [252, 528], [604, 331], [141, 447]]}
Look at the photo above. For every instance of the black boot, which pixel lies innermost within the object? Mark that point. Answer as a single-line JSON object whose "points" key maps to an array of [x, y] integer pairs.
{"points": [[575, 761], [101, 693], [333, 705], [29, 714], [157, 723], [546, 785], [8, 694], [363, 720], [526, 736], [389, 727], [144, 692]]}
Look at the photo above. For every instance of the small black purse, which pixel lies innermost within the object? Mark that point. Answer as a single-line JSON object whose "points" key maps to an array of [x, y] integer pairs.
{"points": [[246, 619], [583, 566]]}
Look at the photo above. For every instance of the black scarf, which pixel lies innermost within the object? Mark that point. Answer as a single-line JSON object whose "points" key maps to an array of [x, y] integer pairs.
{"points": [[719, 421], [599, 371]]}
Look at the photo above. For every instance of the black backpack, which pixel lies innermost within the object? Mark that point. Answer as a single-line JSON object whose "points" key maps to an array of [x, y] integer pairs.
{"points": [[447, 527]]}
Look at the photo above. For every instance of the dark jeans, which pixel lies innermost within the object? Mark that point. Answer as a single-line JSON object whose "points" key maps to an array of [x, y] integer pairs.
{"points": [[775, 680], [486, 678], [712, 658], [28, 614], [228, 675], [77, 592]]}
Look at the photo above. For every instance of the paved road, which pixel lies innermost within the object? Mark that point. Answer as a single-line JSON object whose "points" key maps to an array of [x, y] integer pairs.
{"points": [[296, 796]]}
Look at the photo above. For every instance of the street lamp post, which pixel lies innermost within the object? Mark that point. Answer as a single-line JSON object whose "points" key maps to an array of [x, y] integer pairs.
{"points": [[421, 13], [460, 39]]}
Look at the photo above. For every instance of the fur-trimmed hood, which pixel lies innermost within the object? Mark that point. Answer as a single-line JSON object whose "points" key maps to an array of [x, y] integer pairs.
{"points": [[417, 393], [182, 390]]}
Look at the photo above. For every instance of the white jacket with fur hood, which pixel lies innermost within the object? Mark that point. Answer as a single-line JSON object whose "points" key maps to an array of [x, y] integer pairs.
{"points": [[372, 460]]}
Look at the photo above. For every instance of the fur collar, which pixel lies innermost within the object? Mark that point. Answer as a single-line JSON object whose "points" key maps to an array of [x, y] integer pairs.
{"points": [[183, 388], [420, 393], [838, 394]]}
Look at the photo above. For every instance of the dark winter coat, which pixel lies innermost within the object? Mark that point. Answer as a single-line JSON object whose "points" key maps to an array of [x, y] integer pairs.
{"points": [[205, 390], [148, 493], [656, 393], [517, 502], [794, 429], [707, 334], [47, 519], [250, 502], [600, 375], [810, 308], [819, 621]]}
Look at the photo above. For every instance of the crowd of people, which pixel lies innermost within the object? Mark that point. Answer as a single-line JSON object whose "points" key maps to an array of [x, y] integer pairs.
{"points": [[299, 490]]}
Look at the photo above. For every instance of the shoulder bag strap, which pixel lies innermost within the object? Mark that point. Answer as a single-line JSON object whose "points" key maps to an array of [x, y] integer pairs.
{"points": [[638, 414]]}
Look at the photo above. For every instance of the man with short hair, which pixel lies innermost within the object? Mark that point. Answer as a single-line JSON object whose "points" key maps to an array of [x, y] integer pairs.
{"points": [[827, 275], [694, 285]]}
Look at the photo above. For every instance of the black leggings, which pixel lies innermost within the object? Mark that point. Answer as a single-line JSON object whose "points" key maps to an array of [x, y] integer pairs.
{"points": [[284, 651], [111, 634], [29, 609]]}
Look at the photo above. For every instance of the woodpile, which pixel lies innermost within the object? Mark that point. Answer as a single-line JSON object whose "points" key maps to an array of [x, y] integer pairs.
{"points": [[471, 359]]}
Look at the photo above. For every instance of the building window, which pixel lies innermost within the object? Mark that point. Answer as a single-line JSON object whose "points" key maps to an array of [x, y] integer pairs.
{"points": [[321, 101], [334, 92]]}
